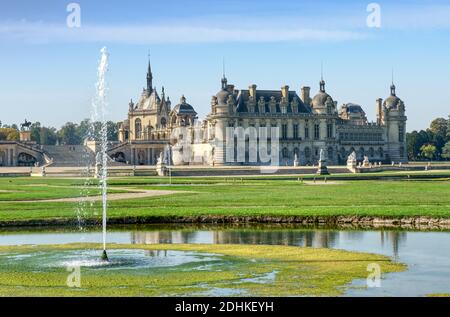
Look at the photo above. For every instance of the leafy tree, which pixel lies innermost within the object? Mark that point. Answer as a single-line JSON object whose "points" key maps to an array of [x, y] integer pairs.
{"points": [[48, 136], [448, 128], [446, 150], [112, 129], [412, 144], [35, 130], [439, 127], [84, 129], [68, 134], [428, 151], [9, 134], [415, 140]]}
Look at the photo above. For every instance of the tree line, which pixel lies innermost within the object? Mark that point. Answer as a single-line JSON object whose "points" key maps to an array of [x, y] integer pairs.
{"points": [[430, 144], [70, 133]]}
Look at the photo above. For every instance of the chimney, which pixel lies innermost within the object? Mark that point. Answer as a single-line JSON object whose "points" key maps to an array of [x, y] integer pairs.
{"points": [[305, 95], [252, 91], [379, 110], [285, 92]]}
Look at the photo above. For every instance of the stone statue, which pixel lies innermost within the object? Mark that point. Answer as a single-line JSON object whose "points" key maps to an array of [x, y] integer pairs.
{"points": [[322, 155], [296, 163], [322, 169], [351, 162], [160, 158], [351, 157], [25, 126], [366, 161], [161, 168]]}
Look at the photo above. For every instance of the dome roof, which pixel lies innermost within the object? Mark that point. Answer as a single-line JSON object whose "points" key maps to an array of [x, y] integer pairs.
{"points": [[320, 99], [184, 108], [222, 97], [392, 102]]}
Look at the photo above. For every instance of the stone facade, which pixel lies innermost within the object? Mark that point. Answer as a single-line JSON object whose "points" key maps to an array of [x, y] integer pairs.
{"points": [[306, 125], [14, 153]]}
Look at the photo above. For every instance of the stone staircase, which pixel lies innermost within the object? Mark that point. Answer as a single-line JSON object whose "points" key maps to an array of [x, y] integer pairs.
{"points": [[69, 155]]}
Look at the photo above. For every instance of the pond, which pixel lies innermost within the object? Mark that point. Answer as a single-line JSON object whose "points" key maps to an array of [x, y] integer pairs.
{"points": [[427, 253]]}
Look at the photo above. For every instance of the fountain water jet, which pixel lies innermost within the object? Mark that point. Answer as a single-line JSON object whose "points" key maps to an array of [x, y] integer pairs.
{"points": [[99, 106]]}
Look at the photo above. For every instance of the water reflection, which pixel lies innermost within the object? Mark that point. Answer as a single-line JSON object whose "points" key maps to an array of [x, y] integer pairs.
{"points": [[303, 238], [427, 253]]}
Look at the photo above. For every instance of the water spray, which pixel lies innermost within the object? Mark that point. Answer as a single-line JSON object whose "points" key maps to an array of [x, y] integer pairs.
{"points": [[99, 111]]}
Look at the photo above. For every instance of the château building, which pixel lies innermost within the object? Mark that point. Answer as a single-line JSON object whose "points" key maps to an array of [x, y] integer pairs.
{"points": [[306, 124]]}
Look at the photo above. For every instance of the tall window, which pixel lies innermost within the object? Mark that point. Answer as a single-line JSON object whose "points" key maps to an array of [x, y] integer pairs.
{"points": [[307, 153], [163, 122], [330, 153], [400, 133], [329, 130], [284, 131], [137, 128], [295, 131], [306, 132], [316, 131], [274, 126]]}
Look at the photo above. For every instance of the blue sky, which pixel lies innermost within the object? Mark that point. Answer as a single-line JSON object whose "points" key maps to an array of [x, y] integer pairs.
{"points": [[48, 70]]}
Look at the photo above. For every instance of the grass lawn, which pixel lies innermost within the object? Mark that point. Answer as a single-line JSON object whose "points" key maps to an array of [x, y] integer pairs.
{"points": [[227, 197], [256, 270]]}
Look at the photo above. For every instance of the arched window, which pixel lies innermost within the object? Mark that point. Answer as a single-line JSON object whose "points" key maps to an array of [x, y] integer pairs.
{"points": [[2, 158], [285, 153], [330, 153], [25, 159], [380, 152], [119, 157], [141, 157], [163, 122], [361, 153], [307, 153], [371, 152], [137, 128]]}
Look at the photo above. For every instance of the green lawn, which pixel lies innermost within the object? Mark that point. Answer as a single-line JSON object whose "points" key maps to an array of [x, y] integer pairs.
{"points": [[256, 270], [219, 196]]}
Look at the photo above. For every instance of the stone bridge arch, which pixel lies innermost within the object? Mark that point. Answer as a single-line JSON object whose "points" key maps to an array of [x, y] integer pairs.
{"points": [[26, 159]]}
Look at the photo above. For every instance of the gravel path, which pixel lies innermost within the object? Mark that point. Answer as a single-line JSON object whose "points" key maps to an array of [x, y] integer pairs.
{"points": [[133, 194]]}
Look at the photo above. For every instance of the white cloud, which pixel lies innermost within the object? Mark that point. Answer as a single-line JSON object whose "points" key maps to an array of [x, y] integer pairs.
{"points": [[338, 25], [38, 32]]}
